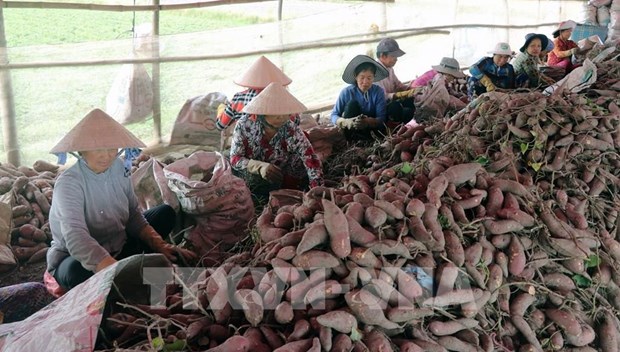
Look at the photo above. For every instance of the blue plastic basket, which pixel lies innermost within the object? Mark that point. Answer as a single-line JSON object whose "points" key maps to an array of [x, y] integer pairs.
{"points": [[585, 30]]}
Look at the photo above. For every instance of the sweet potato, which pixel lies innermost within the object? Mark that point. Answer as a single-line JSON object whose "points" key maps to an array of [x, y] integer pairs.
{"points": [[285, 270], [25, 253], [516, 257], [284, 312], [565, 320], [387, 292], [523, 218], [252, 304], [376, 340], [444, 328], [296, 293], [375, 217], [315, 259], [459, 174], [284, 220], [42, 165], [586, 336], [498, 227], [390, 209], [235, 343], [607, 333], [558, 281], [436, 188], [414, 207], [286, 253], [300, 330], [355, 210], [314, 236], [217, 294], [458, 296], [337, 228], [273, 339], [302, 213], [42, 201], [453, 343], [292, 238], [359, 235], [454, 248], [342, 343], [328, 289], [340, 321], [368, 308], [526, 330], [364, 257]]}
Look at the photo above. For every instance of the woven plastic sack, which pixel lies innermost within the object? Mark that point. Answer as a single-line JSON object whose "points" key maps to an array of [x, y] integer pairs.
{"points": [[603, 16], [130, 98], [151, 186], [588, 14], [195, 123], [599, 3], [218, 201]]}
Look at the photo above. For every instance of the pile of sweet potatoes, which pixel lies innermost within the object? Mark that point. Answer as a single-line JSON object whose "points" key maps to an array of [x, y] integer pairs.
{"points": [[32, 189], [494, 230]]}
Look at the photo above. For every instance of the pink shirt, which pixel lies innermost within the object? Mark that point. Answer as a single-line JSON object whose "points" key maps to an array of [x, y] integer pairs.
{"points": [[423, 80], [391, 84]]}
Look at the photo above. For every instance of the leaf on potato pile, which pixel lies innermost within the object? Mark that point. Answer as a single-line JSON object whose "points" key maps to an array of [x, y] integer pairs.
{"points": [[157, 343], [406, 168], [535, 166], [482, 160], [524, 147], [581, 281], [593, 261]]}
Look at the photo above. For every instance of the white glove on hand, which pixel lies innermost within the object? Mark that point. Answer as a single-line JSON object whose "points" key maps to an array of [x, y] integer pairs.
{"points": [[266, 170], [353, 123]]}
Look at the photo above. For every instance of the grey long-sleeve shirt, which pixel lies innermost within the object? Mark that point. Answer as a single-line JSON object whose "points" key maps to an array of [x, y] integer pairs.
{"points": [[92, 214]]}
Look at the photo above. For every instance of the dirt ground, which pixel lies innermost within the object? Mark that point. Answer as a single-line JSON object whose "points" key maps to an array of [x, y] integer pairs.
{"points": [[25, 273]]}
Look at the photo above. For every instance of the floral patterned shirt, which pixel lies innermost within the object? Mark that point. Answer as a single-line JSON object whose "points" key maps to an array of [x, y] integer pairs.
{"points": [[289, 149], [527, 69]]}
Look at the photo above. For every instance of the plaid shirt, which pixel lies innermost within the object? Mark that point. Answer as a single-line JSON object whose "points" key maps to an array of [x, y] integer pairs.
{"points": [[235, 106], [502, 77], [289, 149]]}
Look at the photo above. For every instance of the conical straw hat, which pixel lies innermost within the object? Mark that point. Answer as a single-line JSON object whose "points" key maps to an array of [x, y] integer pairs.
{"points": [[274, 100], [261, 73], [97, 130]]}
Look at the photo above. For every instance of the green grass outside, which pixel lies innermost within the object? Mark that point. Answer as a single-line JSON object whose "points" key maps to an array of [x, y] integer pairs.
{"points": [[49, 101], [48, 26]]}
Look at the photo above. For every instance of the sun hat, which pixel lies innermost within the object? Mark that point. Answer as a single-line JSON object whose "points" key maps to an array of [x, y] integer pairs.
{"points": [[544, 41], [349, 72], [274, 100], [449, 66], [261, 73], [97, 130], [502, 49], [389, 46], [569, 24], [550, 45]]}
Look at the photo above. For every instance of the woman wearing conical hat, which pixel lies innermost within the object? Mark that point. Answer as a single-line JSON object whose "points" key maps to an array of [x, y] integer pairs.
{"points": [[254, 79], [272, 152], [94, 216]]}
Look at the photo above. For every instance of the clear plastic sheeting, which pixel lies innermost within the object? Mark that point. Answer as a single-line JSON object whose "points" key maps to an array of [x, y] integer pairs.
{"points": [[59, 96]]}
